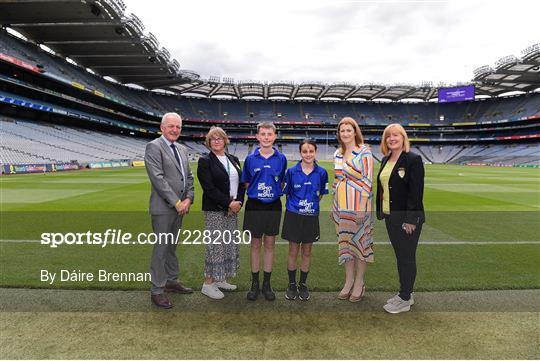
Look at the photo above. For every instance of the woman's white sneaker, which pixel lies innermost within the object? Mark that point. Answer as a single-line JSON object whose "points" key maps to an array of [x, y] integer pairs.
{"points": [[398, 306], [396, 298], [224, 285], [212, 291]]}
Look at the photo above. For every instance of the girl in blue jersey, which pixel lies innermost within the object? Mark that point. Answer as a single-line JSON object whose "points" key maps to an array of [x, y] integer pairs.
{"points": [[305, 184]]}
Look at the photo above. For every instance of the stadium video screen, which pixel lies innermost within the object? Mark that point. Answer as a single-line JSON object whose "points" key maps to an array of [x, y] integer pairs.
{"points": [[456, 94]]}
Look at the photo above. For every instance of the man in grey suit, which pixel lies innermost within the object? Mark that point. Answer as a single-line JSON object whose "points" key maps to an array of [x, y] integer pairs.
{"points": [[172, 194]]}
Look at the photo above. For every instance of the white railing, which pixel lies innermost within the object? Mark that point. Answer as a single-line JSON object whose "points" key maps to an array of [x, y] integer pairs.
{"points": [[486, 69], [510, 59]]}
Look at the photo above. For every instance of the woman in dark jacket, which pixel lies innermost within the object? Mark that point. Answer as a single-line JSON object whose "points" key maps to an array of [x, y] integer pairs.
{"points": [[223, 196], [400, 192]]}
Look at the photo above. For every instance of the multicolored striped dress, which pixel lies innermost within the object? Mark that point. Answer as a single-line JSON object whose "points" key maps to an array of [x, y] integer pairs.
{"points": [[351, 210]]}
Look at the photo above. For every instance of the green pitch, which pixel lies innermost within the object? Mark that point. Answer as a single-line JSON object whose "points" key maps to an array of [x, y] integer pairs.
{"points": [[481, 232]]}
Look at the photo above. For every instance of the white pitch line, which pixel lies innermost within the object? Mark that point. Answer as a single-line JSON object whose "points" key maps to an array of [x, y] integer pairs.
{"points": [[441, 243], [327, 243]]}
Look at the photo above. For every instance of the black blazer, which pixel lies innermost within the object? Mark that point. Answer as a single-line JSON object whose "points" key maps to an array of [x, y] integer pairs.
{"points": [[215, 183], [406, 186]]}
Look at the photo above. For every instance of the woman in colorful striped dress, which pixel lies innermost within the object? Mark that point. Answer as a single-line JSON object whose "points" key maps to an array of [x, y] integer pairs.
{"points": [[353, 165]]}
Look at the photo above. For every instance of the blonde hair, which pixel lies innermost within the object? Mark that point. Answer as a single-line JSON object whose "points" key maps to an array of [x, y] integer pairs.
{"points": [[266, 125], [386, 134], [359, 139], [218, 132]]}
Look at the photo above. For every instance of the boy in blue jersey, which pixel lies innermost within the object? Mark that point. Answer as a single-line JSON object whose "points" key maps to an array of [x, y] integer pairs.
{"points": [[263, 174], [305, 185]]}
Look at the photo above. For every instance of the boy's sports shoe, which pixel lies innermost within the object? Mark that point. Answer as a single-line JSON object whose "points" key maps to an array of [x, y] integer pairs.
{"points": [[303, 292], [292, 292]]}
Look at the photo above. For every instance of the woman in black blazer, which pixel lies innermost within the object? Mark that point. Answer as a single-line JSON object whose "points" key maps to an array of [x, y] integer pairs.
{"points": [[400, 192], [223, 195]]}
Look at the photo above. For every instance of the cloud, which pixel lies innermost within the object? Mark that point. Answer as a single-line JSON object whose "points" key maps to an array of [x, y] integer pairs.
{"points": [[334, 41]]}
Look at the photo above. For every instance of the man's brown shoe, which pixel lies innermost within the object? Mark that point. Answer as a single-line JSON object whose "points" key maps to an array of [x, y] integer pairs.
{"points": [[177, 288], [161, 300]]}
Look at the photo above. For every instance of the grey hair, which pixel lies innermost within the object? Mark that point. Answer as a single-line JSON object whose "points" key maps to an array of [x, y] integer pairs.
{"points": [[166, 115]]}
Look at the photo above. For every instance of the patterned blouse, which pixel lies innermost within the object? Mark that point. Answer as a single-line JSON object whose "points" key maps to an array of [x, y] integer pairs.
{"points": [[353, 179]]}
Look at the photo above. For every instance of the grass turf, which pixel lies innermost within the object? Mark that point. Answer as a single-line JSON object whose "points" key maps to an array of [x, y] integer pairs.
{"points": [[448, 325], [274, 335], [464, 204]]}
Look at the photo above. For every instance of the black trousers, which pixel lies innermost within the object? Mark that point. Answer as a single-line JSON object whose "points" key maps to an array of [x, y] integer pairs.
{"points": [[405, 249]]}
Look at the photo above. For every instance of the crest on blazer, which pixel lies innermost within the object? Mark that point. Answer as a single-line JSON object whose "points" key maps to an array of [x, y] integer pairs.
{"points": [[401, 172]]}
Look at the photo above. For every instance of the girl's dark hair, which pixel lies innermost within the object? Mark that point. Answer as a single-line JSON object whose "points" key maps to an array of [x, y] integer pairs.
{"points": [[307, 141]]}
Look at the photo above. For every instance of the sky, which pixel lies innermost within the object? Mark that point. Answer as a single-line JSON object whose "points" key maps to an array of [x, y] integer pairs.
{"points": [[354, 41]]}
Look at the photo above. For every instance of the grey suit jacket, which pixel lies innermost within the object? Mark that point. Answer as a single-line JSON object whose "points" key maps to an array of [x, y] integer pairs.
{"points": [[168, 184]]}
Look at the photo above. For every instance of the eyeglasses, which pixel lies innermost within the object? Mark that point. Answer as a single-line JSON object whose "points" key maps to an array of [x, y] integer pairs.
{"points": [[217, 140]]}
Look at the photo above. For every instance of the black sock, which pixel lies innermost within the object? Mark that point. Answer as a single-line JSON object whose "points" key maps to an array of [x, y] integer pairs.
{"points": [[292, 276], [303, 277], [267, 277], [255, 277]]}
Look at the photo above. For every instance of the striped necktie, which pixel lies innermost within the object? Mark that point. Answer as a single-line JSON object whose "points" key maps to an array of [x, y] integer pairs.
{"points": [[175, 151]]}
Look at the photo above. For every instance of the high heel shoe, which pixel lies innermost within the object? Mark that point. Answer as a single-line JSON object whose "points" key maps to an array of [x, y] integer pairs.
{"points": [[359, 298], [344, 296]]}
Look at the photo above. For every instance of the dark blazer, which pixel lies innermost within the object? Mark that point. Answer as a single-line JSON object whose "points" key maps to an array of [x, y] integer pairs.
{"points": [[406, 186], [215, 182]]}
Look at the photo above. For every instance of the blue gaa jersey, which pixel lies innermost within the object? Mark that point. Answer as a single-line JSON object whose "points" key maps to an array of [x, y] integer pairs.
{"points": [[264, 175], [303, 190]]}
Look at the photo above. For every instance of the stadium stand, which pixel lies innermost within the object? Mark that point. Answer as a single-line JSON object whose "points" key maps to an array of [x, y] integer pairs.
{"points": [[500, 154], [30, 142], [369, 113], [89, 117], [58, 68], [260, 110], [241, 150]]}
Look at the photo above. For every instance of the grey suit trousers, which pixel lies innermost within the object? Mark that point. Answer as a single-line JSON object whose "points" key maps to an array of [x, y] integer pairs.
{"points": [[164, 263]]}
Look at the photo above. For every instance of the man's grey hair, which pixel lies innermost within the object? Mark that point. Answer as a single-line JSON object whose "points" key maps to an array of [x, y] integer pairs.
{"points": [[167, 115]]}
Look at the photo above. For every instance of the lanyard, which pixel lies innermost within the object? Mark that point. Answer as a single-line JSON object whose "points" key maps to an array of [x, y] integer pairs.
{"points": [[228, 166], [228, 169]]}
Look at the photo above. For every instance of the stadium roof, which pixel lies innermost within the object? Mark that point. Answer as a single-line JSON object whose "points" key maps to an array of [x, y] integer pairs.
{"points": [[98, 35], [510, 74]]}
